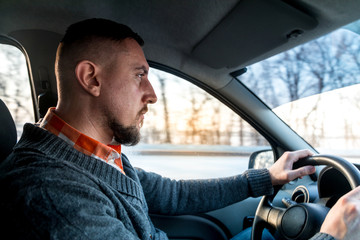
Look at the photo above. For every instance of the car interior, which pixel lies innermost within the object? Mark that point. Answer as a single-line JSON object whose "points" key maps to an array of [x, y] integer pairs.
{"points": [[208, 43]]}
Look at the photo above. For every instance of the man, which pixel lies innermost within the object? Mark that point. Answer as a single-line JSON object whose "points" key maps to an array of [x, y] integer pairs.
{"points": [[67, 177]]}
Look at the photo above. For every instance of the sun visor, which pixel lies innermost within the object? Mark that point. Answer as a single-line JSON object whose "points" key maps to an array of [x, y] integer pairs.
{"points": [[251, 29]]}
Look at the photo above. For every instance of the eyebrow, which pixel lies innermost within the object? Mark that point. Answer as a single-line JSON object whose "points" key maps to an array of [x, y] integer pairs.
{"points": [[142, 68]]}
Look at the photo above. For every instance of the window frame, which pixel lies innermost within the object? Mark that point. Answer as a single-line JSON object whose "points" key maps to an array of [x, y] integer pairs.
{"points": [[12, 42], [273, 144]]}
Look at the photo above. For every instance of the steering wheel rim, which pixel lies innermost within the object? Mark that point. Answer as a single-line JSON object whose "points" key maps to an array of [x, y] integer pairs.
{"points": [[265, 210]]}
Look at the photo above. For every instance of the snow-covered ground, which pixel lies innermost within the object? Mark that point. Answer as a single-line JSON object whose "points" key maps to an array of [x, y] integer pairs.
{"points": [[191, 167]]}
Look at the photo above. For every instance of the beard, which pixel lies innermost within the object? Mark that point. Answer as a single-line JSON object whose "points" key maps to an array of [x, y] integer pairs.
{"points": [[125, 135], [128, 136]]}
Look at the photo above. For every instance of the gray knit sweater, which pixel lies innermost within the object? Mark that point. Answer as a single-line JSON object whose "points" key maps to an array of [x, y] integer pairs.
{"points": [[52, 191]]}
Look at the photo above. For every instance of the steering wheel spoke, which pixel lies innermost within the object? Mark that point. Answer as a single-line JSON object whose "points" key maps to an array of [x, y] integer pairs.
{"points": [[267, 216]]}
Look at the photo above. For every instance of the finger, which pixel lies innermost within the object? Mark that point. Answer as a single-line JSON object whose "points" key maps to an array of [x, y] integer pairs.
{"points": [[355, 193], [300, 172], [302, 154]]}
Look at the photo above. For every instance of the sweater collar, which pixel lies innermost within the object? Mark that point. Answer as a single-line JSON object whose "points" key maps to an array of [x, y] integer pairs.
{"points": [[54, 149]]}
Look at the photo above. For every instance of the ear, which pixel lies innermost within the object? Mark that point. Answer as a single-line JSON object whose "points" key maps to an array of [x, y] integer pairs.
{"points": [[86, 74]]}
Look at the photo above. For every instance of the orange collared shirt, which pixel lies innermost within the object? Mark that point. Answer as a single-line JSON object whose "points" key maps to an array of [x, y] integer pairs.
{"points": [[110, 154]]}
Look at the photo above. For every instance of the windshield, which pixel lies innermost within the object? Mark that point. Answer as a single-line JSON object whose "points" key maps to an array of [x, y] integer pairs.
{"points": [[315, 89]]}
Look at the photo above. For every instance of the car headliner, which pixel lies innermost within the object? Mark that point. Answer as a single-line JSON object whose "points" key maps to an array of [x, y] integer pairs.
{"points": [[206, 39]]}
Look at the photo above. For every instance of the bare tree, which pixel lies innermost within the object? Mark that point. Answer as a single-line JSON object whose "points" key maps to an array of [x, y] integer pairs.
{"points": [[165, 108], [198, 101]]}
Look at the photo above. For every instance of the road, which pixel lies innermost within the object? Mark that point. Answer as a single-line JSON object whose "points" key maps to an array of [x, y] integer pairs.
{"points": [[195, 167]]}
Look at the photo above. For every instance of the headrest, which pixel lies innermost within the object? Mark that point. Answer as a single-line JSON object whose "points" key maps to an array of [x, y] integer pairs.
{"points": [[8, 136]]}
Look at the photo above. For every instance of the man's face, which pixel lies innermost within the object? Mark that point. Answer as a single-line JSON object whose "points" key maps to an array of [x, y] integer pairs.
{"points": [[126, 93]]}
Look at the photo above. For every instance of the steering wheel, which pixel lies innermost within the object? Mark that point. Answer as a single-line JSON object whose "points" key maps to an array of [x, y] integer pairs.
{"points": [[303, 220]]}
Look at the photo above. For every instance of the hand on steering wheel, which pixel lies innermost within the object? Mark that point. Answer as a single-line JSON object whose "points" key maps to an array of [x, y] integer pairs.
{"points": [[300, 221]]}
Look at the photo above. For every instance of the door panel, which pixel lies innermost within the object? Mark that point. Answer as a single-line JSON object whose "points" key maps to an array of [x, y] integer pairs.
{"points": [[219, 224]]}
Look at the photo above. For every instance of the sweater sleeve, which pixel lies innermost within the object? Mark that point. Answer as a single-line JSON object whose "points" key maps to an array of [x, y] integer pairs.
{"points": [[322, 236], [166, 196]]}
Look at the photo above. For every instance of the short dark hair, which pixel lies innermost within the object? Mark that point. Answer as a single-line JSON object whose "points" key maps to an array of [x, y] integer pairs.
{"points": [[89, 40], [98, 27]]}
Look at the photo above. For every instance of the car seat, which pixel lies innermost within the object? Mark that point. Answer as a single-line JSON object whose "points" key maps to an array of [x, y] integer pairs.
{"points": [[8, 135]]}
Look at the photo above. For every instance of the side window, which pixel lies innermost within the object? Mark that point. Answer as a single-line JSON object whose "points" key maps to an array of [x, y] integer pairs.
{"points": [[15, 90], [190, 134]]}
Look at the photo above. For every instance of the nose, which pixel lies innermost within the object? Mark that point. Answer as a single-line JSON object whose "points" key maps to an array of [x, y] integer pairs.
{"points": [[149, 93]]}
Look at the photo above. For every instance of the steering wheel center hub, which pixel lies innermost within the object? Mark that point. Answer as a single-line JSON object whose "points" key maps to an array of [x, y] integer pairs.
{"points": [[293, 221]]}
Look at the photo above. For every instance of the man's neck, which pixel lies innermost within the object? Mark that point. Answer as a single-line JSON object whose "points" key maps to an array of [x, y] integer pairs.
{"points": [[86, 123]]}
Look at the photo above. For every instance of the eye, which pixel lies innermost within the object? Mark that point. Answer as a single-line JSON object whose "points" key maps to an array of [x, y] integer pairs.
{"points": [[140, 75]]}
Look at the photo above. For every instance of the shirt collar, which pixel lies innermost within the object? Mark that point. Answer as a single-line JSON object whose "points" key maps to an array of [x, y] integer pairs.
{"points": [[81, 142]]}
